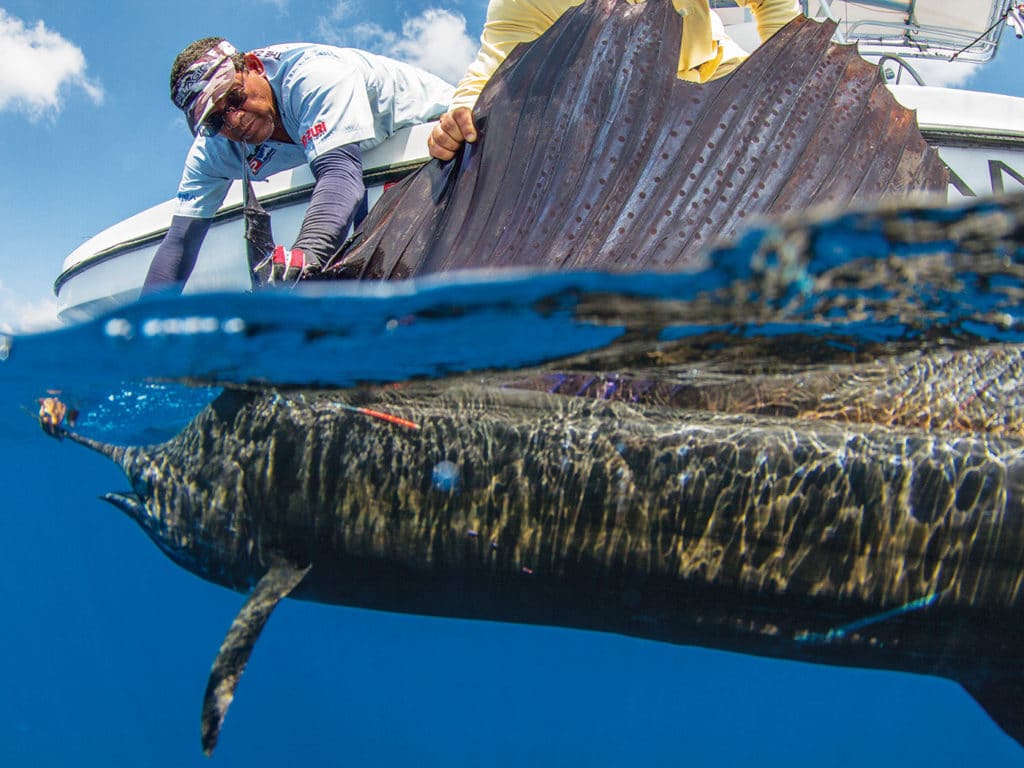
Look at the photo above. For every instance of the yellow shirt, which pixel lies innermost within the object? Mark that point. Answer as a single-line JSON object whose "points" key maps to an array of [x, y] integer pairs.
{"points": [[705, 52]]}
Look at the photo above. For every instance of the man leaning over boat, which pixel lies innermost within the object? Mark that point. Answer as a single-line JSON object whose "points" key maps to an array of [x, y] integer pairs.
{"points": [[275, 108], [706, 52]]}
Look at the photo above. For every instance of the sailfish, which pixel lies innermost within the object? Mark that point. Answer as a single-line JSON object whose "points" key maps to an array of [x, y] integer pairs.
{"points": [[799, 538], [864, 513]]}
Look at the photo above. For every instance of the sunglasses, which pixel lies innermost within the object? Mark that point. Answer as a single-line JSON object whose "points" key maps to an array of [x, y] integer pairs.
{"points": [[234, 100]]}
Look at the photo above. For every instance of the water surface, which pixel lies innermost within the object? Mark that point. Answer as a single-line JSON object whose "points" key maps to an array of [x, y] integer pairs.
{"points": [[107, 644]]}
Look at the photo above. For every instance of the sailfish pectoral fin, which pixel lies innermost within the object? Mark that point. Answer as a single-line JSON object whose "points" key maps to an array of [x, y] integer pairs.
{"points": [[129, 503], [234, 652]]}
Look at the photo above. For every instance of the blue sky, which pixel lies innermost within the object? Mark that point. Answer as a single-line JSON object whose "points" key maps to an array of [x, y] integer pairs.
{"points": [[91, 136]]}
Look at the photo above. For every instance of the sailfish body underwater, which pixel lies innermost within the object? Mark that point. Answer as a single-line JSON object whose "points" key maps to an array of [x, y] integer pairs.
{"points": [[859, 545], [894, 543]]}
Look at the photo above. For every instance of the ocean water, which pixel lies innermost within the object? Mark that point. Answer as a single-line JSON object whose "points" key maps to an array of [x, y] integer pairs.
{"points": [[107, 644]]}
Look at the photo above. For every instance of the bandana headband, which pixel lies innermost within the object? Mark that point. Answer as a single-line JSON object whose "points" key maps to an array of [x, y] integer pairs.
{"points": [[200, 86]]}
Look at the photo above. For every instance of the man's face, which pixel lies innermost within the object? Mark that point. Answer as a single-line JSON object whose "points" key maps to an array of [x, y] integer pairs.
{"points": [[248, 110]]}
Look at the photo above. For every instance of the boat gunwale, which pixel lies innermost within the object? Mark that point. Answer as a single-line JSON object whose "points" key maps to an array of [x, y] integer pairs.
{"points": [[374, 177]]}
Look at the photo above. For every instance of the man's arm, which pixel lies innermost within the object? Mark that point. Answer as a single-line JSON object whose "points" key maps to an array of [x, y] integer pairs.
{"points": [[201, 191], [771, 15], [176, 256], [508, 23], [337, 195]]}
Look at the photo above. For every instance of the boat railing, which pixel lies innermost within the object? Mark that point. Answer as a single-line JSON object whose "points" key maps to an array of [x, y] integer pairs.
{"points": [[373, 177], [904, 66], [897, 24], [923, 42]]}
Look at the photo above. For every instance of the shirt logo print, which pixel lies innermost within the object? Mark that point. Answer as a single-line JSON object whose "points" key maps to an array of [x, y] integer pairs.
{"points": [[313, 133]]}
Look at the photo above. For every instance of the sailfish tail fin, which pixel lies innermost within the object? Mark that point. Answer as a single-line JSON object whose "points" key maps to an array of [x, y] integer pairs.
{"points": [[1002, 698]]}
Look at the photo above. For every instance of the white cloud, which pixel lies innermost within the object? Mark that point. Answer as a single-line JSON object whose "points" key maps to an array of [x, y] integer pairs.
{"points": [[436, 40], [17, 315], [280, 5], [945, 74], [340, 10], [38, 65]]}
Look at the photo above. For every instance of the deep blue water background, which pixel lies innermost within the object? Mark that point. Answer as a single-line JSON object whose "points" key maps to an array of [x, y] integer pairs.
{"points": [[106, 644]]}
